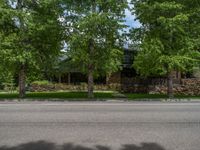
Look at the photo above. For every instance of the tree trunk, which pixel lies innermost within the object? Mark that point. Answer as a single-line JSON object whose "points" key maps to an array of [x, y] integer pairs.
{"points": [[170, 91], [59, 78], [90, 84], [107, 79], [91, 70], [22, 81], [69, 78]]}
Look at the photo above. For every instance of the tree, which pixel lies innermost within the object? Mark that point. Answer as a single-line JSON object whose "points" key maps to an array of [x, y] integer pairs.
{"points": [[95, 41], [166, 44], [192, 8], [30, 35]]}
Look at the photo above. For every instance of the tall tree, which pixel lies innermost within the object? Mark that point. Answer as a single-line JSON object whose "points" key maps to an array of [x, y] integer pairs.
{"points": [[95, 41], [165, 42], [192, 8], [30, 35]]}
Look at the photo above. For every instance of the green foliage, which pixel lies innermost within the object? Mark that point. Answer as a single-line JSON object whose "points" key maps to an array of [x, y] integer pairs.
{"points": [[156, 97], [43, 82], [97, 26], [31, 34], [166, 41], [72, 96], [6, 77], [34, 75]]}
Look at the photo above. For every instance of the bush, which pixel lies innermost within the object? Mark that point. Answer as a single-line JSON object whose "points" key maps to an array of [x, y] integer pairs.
{"points": [[43, 82], [9, 87]]}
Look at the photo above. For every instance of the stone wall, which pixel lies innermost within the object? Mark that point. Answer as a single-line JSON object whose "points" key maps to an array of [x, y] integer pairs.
{"points": [[186, 87], [65, 87], [140, 85], [159, 86], [131, 85]]}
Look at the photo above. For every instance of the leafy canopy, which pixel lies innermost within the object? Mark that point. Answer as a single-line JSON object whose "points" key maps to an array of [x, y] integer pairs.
{"points": [[30, 32], [96, 40], [166, 44]]}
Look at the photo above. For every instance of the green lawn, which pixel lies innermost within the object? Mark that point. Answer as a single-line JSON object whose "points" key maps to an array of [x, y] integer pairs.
{"points": [[156, 97], [83, 95], [57, 95]]}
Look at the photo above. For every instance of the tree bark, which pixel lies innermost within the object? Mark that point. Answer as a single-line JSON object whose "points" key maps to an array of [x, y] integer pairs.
{"points": [[170, 91], [22, 81], [59, 78], [91, 70], [69, 78], [108, 79], [90, 84]]}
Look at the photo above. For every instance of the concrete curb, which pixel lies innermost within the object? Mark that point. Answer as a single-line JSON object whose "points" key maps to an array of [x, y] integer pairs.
{"points": [[121, 100]]}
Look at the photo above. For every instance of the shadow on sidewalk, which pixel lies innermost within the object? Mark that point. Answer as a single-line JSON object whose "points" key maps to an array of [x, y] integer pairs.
{"points": [[43, 145]]}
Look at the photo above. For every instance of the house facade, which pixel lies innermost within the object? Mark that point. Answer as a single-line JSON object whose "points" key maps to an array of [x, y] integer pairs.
{"points": [[128, 80], [69, 74]]}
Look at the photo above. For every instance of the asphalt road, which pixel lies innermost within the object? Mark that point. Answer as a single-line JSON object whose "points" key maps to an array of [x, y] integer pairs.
{"points": [[100, 126]]}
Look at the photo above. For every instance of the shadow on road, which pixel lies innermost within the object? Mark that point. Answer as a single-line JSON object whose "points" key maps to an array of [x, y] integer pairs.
{"points": [[42, 145]]}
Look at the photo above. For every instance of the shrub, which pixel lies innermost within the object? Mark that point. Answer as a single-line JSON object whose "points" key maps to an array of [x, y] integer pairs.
{"points": [[42, 82]]}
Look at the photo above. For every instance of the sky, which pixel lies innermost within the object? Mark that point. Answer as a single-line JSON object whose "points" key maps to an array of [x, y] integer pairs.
{"points": [[130, 19]]}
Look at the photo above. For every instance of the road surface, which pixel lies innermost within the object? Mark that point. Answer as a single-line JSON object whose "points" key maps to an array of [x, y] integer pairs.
{"points": [[99, 126]]}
